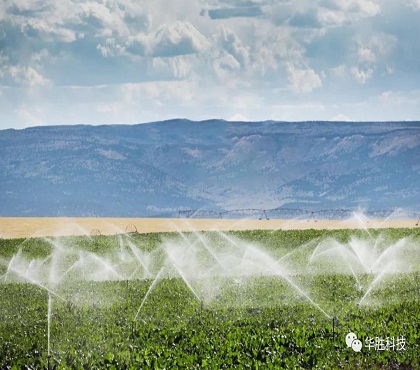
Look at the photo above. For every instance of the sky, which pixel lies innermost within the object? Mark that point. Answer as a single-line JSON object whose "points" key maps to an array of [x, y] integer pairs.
{"points": [[133, 61]]}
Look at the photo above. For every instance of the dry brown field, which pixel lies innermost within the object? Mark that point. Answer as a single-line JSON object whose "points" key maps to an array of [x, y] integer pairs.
{"points": [[25, 227]]}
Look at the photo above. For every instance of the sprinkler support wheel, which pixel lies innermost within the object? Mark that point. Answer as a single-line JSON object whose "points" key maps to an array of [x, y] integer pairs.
{"points": [[131, 229]]}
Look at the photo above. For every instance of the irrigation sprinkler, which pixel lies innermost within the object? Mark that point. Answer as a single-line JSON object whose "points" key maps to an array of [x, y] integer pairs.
{"points": [[131, 229], [334, 319], [335, 324], [95, 232], [197, 261], [331, 212], [263, 215], [132, 329]]}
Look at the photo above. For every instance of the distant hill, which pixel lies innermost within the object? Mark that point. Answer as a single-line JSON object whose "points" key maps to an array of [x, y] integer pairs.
{"points": [[159, 168]]}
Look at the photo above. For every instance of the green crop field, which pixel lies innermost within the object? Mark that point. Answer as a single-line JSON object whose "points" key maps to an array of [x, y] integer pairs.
{"points": [[212, 300]]}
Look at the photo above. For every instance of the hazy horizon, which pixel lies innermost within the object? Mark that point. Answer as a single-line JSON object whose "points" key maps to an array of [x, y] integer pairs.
{"points": [[207, 120]]}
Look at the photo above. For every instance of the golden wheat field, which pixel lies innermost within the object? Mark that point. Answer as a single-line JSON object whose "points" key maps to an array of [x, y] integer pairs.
{"points": [[24, 227]]}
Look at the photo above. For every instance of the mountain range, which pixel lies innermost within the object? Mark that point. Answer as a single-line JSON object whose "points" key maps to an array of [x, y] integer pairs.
{"points": [[157, 169]]}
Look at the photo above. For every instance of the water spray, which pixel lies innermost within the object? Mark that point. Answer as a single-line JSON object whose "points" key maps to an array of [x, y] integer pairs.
{"points": [[148, 292]]}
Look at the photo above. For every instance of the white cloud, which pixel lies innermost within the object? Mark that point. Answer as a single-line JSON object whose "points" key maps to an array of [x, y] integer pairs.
{"points": [[232, 44], [111, 48], [4, 60], [366, 8], [362, 75], [373, 52], [341, 118], [272, 51], [303, 80], [390, 69], [29, 116], [377, 45], [33, 78], [284, 44], [49, 31], [366, 55], [179, 38], [340, 12], [413, 3], [195, 64], [400, 98], [339, 71], [172, 92], [27, 76], [332, 18], [24, 5], [40, 56], [60, 20], [224, 64], [238, 117], [137, 44], [109, 14], [179, 67]]}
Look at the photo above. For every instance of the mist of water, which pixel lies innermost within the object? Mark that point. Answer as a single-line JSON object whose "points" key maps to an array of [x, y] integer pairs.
{"points": [[204, 261]]}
